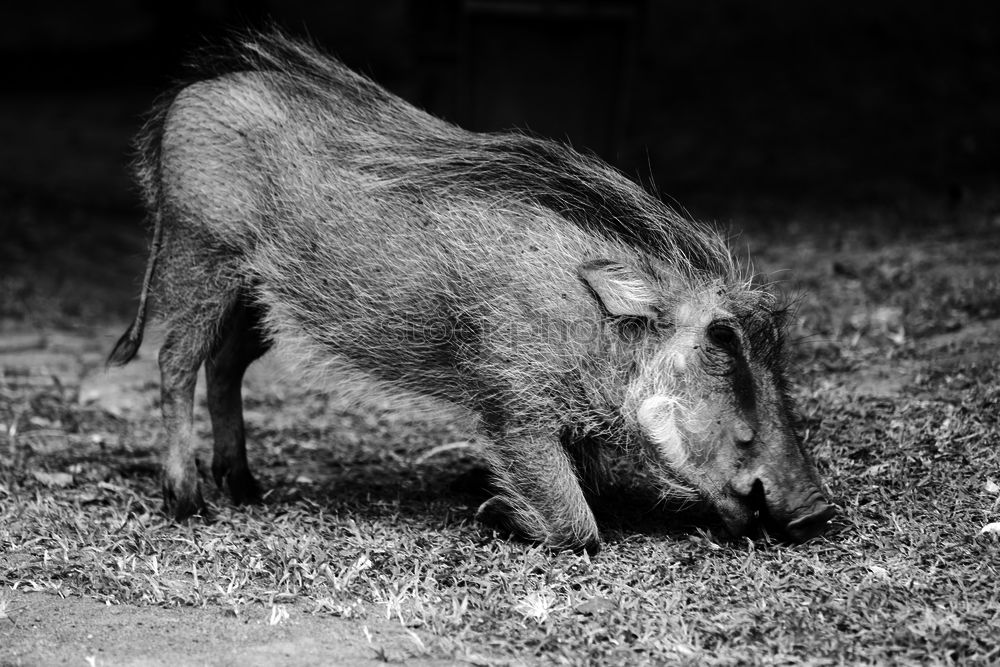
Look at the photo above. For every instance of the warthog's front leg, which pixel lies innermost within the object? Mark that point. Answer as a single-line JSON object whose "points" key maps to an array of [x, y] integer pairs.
{"points": [[539, 497]]}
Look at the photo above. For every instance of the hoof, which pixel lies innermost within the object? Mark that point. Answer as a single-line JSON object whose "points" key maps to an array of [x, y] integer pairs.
{"points": [[241, 485], [244, 489], [183, 506]]}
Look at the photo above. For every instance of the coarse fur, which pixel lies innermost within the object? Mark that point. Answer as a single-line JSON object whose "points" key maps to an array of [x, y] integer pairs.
{"points": [[296, 202]]}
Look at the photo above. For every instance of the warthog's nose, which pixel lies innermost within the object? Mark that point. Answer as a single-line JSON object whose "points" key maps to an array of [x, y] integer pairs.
{"points": [[812, 524]]}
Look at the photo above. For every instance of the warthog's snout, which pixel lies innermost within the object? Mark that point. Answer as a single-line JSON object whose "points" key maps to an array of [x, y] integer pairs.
{"points": [[800, 516], [795, 518], [812, 523]]}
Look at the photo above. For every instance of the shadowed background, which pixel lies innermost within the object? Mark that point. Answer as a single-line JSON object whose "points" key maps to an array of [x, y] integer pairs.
{"points": [[726, 107]]}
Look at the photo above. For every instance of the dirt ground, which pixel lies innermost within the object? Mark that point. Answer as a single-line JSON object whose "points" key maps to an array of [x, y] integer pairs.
{"points": [[45, 629]]}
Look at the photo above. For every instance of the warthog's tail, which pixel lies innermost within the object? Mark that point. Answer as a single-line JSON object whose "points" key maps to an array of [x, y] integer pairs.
{"points": [[128, 345], [146, 170]]}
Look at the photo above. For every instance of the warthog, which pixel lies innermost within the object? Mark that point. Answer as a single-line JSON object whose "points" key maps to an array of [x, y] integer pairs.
{"points": [[296, 202]]}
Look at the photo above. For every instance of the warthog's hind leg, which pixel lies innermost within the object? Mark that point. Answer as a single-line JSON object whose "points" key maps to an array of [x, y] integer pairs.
{"points": [[191, 333], [241, 342]]}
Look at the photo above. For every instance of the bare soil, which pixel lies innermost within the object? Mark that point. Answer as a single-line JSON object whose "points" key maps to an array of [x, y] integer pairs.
{"points": [[45, 629]]}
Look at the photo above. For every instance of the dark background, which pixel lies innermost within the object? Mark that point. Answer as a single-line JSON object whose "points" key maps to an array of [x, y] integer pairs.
{"points": [[728, 107]]}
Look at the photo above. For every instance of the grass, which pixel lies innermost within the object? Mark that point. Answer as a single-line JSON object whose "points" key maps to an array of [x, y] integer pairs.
{"points": [[358, 524]]}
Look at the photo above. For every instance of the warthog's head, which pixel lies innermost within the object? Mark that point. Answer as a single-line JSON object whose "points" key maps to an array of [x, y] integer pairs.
{"points": [[709, 397]]}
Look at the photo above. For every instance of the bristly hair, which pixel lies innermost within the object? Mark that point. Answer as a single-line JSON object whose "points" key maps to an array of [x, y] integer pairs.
{"points": [[587, 192], [507, 166]]}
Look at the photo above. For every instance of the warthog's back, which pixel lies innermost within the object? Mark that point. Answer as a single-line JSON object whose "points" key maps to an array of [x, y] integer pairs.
{"points": [[281, 119]]}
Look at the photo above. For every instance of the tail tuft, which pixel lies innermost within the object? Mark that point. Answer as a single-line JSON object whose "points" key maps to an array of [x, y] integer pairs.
{"points": [[127, 346]]}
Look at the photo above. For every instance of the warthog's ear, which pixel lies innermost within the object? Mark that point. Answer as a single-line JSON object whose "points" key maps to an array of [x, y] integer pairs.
{"points": [[621, 290]]}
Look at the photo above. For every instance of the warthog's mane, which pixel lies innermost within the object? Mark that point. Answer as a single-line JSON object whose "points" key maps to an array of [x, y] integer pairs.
{"points": [[417, 152]]}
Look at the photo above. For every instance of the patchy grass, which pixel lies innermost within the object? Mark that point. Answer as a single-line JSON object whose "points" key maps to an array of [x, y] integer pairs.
{"points": [[899, 384]]}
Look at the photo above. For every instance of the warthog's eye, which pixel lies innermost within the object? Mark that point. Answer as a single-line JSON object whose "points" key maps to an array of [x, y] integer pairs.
{"points": [[724, 336]]}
